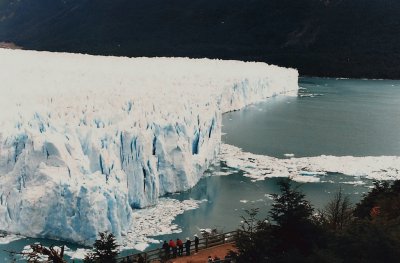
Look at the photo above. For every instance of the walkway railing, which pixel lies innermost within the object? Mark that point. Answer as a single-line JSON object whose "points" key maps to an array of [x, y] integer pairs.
{"points": [[158, 255]]}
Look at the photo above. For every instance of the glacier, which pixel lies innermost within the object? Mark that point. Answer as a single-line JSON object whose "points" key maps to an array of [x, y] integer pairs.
{"points": [[85, 140]]}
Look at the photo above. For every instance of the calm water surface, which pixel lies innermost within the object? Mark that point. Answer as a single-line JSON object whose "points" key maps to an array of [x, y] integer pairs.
{"points": [[344, 117], [337, 117]]}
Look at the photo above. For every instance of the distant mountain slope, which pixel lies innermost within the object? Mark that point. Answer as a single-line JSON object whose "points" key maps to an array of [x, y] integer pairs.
{"points": [[348, 38]]}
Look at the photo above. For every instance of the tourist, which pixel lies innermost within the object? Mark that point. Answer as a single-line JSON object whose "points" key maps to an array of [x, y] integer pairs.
{"points": [[165, 247], [187, 246], [172, 246], [196, 243], [179, 244], [209, 259]]}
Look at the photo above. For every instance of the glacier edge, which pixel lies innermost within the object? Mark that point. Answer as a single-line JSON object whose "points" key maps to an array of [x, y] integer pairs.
{"points": [[84, 139]]}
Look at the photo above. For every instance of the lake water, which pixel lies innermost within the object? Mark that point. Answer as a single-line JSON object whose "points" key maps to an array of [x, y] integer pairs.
{"points": [[333, 117], [336, 117]]}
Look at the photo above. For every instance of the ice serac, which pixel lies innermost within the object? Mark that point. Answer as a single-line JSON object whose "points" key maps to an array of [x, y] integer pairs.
{"points": [[85, 139]]}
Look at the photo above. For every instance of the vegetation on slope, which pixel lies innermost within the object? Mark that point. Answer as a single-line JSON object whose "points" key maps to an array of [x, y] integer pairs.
{"points": [[294, 232]]}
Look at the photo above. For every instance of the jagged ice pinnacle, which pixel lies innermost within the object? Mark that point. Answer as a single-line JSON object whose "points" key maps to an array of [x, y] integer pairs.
{"points": [[84, 139]]}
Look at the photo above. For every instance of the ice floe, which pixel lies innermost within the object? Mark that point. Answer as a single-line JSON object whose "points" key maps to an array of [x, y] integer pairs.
{"points": [[79, 253], [310, 169], [156, 221], [8, 238]]}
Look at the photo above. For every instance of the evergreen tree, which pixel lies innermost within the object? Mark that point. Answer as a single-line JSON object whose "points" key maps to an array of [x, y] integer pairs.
{"points": [[105, 249], [288, 239], [295, 233], [290, 207]]}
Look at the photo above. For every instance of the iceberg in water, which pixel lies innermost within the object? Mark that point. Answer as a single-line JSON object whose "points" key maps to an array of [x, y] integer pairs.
{"points": [[84, 139]]}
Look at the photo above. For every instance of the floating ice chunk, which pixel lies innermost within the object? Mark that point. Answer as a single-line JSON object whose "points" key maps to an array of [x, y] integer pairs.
{"points": [[79, 253], [155, 221], [141, 246], [306, 179], [222, 173], [307, 173], [289, 155], [269, 196], [310, 169], [354, 183], [8, 238]]}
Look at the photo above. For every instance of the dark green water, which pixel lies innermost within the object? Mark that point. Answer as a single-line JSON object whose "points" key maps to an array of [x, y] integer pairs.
{"points": [[347, 117]]}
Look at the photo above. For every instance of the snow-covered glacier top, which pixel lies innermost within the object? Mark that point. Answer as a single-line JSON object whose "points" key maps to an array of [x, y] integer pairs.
{"points": [[84, 139]]}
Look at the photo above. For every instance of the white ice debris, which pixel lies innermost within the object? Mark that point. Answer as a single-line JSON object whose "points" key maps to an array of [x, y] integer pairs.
{"points": [[85, 139], [269, 196], [8, 238], [156, 221], [309, 169], [40, 257], [354, 182], [150, 222], [79, 253], [289, 155]]}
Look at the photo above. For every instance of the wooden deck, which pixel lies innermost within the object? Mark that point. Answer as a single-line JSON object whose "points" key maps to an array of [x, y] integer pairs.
{"points": [[217, 245], [202, 256]]}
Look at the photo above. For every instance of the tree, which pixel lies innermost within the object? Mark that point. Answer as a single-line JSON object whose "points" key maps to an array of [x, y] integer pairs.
{"points": [[296, 232], [105, 249], [246, 237], [366, 242], [290, 207], [373, 235], [42, 254], [371, 200], [253, 241], [249, 224], [289, 236], [338, 213], [295, 235]]}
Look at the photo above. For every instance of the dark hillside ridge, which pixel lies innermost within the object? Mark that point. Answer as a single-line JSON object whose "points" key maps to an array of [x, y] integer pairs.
{"points": [[337, 38]]}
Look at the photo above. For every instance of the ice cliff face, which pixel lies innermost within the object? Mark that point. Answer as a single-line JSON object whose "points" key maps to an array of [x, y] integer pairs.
{"points": [[85, 139]]}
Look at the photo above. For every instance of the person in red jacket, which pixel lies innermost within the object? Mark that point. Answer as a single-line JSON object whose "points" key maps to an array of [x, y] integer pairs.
{"points": [[179, 244], [172, 245]]}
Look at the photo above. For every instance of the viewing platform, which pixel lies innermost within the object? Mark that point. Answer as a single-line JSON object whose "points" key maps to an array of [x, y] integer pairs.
{"points": [[224, 241]]}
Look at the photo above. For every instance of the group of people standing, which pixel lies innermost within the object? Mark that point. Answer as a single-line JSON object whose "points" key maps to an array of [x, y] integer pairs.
{"points": [[173, 249]]}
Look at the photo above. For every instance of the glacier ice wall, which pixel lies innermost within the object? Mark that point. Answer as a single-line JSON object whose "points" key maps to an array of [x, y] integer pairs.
{"points": [[85, 139]]}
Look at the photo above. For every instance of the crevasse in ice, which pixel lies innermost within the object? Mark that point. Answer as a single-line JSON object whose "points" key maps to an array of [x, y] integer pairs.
{"points": [[84, 139]]}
